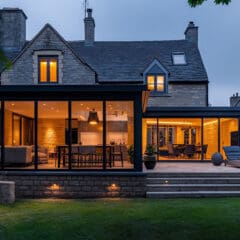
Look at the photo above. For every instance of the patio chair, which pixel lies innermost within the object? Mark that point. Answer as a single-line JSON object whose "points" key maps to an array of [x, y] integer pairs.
{"points": [[189, 150], [232, 155], [173, 151]]}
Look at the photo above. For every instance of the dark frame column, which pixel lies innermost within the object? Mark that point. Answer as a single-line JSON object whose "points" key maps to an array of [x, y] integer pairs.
{"points": [[2, 135], [138, 134], [36, 135], [69, 136], [104, 135]]}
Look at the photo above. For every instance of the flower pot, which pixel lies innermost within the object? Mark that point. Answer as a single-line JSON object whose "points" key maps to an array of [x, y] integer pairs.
{"points": [[149, 161]]}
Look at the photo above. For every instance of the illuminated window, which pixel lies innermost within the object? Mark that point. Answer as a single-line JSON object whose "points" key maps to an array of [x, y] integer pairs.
{"points": [[156, 83], [179, 58], [48, 69]]}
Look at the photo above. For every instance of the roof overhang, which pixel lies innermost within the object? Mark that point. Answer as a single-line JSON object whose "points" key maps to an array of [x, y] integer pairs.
{"points": [[154, 112]]}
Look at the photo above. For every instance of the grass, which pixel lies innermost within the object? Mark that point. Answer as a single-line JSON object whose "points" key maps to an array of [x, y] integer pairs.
{"points": [[121, 219]]}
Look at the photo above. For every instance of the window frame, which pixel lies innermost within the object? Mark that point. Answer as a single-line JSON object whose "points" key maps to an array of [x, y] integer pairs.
{"points": [[48, 57], [156, 84]]}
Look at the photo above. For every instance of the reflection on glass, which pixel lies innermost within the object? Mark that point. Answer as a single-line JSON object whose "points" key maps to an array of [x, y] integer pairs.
{"points": [[228, 133], [19, 134], [173, 138], [210, 133], [52, 137], [120, 134]]}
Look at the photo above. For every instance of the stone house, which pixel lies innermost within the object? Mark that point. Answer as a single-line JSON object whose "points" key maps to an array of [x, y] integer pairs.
{"points": [[77, 108]]}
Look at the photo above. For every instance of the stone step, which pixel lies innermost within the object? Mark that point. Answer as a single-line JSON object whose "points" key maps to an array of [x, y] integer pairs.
{"points": [[192, 187], [193, 194], [190, 180], [194, 175]]}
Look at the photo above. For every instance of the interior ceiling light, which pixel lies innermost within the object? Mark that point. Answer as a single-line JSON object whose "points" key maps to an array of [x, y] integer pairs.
{"points": [[93, 117]]}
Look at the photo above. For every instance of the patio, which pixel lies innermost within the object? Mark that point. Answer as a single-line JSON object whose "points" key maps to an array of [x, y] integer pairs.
{"points": [[189, 167]]}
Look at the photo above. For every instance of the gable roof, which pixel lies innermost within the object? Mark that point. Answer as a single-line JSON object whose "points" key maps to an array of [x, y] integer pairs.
{"points": [[127, 61], [14, 56]]}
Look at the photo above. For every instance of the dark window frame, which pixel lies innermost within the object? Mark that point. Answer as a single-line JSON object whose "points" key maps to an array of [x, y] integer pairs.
{"points": [[48, 58]]}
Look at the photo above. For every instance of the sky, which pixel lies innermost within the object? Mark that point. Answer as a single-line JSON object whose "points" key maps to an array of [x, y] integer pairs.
{"points": [[219, 32]]}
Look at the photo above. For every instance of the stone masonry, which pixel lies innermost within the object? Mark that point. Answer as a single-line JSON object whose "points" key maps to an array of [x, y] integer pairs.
{"points": [[73, 70], [76, 185], [187, 95]]}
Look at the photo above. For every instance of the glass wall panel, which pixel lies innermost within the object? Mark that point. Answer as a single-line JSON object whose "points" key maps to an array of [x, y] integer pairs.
{"points": [[19, 134], [173, 138], [179, 138], [228, 133], [119, 134], [87, 134], [210, 133], [52, 135]]}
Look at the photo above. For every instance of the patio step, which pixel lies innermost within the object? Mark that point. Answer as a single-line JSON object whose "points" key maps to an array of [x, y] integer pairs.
{"points": [[173, 185], [193, 194], [192, 187], [191, 180]]}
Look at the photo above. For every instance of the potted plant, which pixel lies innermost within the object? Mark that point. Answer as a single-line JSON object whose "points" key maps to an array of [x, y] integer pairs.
{"points": [[150, 157], [131, 153]]}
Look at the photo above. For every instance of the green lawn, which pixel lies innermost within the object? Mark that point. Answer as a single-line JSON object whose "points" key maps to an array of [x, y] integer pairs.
{"points": [[179, 219]]}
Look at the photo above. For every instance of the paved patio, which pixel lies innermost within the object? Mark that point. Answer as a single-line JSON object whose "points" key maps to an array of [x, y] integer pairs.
{"points": [[192, 167]]}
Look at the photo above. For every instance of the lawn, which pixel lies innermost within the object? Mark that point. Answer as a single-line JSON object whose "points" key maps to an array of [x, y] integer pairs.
{"points": [[180, 219]]}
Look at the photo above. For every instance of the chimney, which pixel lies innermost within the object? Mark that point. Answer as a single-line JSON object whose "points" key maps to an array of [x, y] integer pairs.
{"points": [[12, 28], [191, 33], [89, 28], [235, 100]]}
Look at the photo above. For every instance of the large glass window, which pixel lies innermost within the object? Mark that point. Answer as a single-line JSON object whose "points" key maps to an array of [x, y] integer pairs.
{"points": [[52, 135], [210, 133], [228, 133], [19, 134], [87, 134], [119, 134], [173, 138]]}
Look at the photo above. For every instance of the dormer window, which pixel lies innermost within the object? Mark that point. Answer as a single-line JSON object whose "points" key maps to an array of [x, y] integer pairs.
{"points": [[156, 83], [48, 69], [156, 78], [179, 58]]}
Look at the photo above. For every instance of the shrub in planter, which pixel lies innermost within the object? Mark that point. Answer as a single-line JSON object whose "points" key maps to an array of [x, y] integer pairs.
{"points": [[131, 153], [150, 157]]}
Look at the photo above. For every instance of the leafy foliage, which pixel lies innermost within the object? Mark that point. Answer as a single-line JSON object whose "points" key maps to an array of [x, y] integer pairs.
{"points": [[194, 3], [4, 60], [150, 150]]}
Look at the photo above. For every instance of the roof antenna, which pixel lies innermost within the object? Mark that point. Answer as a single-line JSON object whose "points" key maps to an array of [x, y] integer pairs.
{"points": [[85, 7]]}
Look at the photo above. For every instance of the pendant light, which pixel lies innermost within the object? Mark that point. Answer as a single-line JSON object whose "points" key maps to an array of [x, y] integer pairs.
{"points": [[93, 117]]}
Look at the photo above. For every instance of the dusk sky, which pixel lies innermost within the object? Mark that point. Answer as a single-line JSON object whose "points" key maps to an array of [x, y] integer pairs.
{"points": [[219, 32]]}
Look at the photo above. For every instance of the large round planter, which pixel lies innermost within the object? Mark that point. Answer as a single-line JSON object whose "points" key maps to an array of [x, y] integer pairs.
{"points": [[149, 161], [217, 159]]}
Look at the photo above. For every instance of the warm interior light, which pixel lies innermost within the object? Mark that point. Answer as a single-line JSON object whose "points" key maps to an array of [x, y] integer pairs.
{"points": [[53, 70], [160, 83], [169, 123], [43, 71], [150, 82]]}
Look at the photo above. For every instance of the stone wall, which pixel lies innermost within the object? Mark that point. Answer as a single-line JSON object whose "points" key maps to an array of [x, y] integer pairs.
{"points": [[76, 185], [23, 71], [181, 95]]}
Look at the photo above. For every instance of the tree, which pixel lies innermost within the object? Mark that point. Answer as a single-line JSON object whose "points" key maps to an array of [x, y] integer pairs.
{"points": [[194, 3], [4, 60]]}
